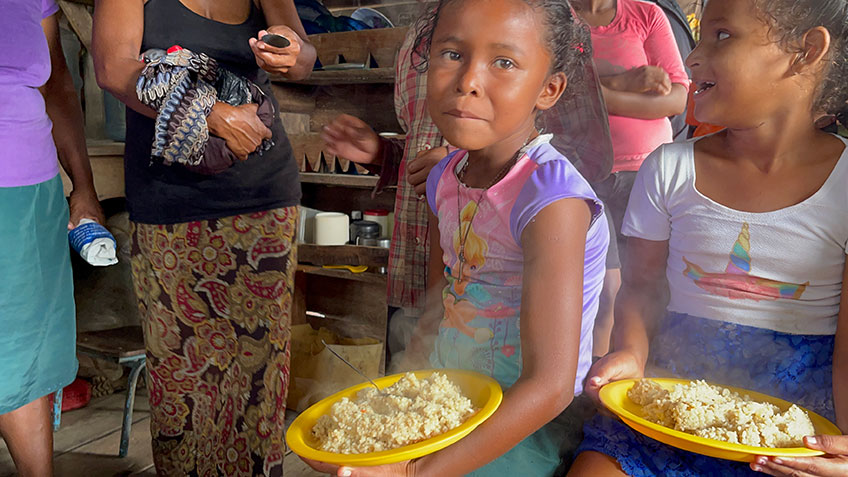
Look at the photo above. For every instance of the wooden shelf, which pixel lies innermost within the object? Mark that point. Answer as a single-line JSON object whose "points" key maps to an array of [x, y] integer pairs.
{"points": [[342, 255], [336, 77], [365, 277], [346, 180], [104, 147]]}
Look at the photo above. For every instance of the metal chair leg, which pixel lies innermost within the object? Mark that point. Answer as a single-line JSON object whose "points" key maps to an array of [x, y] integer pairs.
{"points": [[135, 370], [57, 410]]}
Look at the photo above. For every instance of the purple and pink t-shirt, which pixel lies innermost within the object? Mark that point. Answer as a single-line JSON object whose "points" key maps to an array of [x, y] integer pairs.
{"points": [[639, 35], [483, 310], [27, 152]]}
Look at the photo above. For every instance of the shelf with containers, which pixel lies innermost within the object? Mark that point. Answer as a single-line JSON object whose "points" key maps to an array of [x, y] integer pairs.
{"points": [[340, 299]]}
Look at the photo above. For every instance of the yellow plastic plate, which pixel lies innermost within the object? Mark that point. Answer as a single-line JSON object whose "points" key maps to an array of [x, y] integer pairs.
{"points": [[614, 397], [484, 392]]}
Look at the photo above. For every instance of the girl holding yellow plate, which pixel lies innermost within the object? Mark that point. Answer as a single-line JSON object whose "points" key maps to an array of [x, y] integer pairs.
{"points": [[520, 239], [745, 231]]}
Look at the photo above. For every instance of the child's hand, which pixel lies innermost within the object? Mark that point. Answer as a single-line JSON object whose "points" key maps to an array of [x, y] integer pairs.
{"points": [[352, 139], [645, 79], [615, 366], [273, 59], [419, 168], [834, 464]]}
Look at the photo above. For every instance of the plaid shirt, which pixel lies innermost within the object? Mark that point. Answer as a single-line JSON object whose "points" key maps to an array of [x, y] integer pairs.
{"points": [[410, 247]]}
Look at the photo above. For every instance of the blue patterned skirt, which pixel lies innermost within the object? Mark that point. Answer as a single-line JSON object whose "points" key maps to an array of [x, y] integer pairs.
{"points": [[796, 368]]}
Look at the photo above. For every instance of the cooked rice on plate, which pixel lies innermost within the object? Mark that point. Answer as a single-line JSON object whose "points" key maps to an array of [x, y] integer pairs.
{"points": [[718, 413], [411, 410]]}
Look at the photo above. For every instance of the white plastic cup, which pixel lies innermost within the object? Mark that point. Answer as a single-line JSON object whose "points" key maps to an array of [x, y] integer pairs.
{"points": [[331, 228]]}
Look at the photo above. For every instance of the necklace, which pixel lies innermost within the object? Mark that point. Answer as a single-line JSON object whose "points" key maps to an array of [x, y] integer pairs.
{"points": [[463, 236]]}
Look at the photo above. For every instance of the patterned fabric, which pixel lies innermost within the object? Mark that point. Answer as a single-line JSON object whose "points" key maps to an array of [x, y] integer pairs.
{"points": [[182, 87], [482, 322], [797, 368], [215, 302], [410, 246]]}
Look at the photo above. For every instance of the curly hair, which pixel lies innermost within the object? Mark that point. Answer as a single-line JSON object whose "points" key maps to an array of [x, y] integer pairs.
{"points": [[567, 37], [789, 20]]}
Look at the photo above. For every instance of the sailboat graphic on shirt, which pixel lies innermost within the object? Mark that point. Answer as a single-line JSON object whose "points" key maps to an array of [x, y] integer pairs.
{"points": [[736, 282]]}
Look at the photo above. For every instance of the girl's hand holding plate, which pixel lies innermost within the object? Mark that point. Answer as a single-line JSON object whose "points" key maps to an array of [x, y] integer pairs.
{"points": [[401, 469], [274, 59], [834, 464], [614, 366]]}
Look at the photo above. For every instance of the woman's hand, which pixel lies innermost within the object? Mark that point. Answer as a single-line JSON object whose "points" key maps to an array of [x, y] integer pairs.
{"points": [[273, 59], [646, 79], [401, 469], [239, 126], [419, 168], [84, 205], [352, 139], [834, 464], [615, 366]]}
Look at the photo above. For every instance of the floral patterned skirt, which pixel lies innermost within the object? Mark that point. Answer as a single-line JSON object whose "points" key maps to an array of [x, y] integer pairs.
{"points": [[215, 302], [796, 368]]}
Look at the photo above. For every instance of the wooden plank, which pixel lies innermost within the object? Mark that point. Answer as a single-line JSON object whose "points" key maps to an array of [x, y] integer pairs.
{"points": [[381, 45], [344, 199], [150, 471], [365, 277], [124, 342], [357, 76], [102, 417], [295, 123], [311, 155], [342, 255], [293, 98], [372, 103], [367, 182], [100, 458], [104, 147], [79, 19], [108, 174]]}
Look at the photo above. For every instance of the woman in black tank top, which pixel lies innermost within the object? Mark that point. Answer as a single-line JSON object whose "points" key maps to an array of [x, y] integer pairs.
{"points": [[212, 255]]}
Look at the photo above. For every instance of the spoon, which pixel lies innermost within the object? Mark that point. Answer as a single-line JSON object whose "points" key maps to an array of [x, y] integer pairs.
{"points": [[337, 355], [351, 268]]}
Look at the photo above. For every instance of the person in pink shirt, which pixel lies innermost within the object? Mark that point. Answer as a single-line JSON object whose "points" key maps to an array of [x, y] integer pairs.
{"points": [[643, 82]]}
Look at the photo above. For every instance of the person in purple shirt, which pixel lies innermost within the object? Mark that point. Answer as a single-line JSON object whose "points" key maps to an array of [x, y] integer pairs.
{"points": [[40, 122]]}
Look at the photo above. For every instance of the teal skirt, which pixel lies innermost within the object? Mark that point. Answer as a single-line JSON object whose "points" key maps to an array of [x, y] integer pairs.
{"points": [[37, 319]]}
